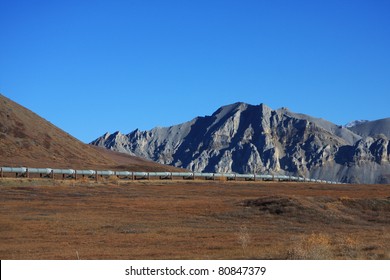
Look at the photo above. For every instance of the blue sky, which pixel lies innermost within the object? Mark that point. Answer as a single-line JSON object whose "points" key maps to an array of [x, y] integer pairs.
{"points": [[95, 66]]}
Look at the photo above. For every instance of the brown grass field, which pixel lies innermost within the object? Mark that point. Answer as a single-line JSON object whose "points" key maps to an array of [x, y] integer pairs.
{"points": [[45, 219]]}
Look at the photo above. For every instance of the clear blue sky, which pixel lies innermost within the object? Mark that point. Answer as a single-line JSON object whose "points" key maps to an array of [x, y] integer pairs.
{"points": [[95, 66]]}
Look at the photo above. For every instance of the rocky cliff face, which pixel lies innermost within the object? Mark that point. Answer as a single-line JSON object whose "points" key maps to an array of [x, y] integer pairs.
{"points": [[244, 138]]}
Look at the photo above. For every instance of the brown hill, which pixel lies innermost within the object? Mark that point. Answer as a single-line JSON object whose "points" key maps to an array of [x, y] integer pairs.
{"points": [[26, 139]]}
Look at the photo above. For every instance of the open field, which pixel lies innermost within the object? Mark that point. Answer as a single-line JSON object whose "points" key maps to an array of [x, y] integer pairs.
{"points": [[45, 219]]}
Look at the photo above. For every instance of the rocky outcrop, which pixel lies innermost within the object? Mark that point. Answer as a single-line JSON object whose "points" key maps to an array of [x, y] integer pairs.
{"points": [[244, 138]]}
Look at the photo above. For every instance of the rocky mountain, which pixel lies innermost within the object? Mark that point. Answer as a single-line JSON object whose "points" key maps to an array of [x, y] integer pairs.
{"points": [[26, 139], [372, 128], [245, 138], [355, 123]]}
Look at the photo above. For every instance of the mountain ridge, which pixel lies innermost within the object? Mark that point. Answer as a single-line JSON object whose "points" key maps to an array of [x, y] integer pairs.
{"points": [[372, 128], [247, 138]]}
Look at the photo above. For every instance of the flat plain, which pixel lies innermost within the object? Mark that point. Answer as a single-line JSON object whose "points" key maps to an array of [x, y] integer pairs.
{"points": [[112, 219]]}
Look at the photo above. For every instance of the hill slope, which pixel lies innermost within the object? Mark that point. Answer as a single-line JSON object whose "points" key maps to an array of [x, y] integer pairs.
{"points": [[29, 140], [246, 138]]}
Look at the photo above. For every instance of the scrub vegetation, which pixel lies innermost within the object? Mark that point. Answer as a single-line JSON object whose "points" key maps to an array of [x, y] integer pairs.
{"points": [[115, 219]]}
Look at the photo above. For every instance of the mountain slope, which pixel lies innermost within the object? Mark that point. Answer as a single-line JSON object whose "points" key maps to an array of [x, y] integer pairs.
{"points": [[349, 136], [246, 138], [28, 140], [354, 123], [372, 128]]}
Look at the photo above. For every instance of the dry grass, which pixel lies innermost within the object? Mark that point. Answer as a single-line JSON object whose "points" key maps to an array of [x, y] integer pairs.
{"points": [[244, 239], [319, 246], [312, 247], [46, 219]]}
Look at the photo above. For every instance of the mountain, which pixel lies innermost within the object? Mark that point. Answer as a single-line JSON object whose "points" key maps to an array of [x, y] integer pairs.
{"points": [[354, 123], [247, 138], [29, 140], [372, 128]]}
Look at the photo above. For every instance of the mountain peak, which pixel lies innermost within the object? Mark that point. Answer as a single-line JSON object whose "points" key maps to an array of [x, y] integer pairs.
{"points": [[230, 108], [355, 123], [265, 108]]}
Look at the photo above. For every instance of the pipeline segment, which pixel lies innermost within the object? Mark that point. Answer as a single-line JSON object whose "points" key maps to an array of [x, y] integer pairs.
{"points": [[24, 171]]}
